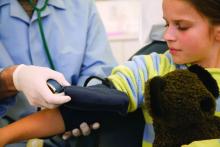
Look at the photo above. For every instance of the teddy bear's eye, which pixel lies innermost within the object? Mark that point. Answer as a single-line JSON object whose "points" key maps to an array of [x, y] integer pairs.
{"points": [[207, 104]]}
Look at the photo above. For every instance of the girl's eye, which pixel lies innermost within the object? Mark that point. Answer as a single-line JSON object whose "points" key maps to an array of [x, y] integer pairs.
{"points": [[182, 27]]}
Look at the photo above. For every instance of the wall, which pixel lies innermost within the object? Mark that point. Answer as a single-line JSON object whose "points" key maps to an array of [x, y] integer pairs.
{"points": [[121, 19]]}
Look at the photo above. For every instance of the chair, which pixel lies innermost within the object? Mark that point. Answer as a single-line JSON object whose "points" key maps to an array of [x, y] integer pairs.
{"points": [[155, 46]]}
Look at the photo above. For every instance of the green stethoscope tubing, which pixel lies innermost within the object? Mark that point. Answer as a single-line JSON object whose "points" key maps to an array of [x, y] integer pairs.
{"points": [[39, 20]]}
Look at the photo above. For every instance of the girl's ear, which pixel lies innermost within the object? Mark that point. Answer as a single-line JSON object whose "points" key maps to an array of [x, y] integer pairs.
{"points": [[217, 32]]}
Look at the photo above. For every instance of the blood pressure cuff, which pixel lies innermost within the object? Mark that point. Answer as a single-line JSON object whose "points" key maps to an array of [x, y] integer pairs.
{"points": [[91, 104]]}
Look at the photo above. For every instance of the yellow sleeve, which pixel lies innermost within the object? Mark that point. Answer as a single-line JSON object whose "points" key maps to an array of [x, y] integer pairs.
{"points": [[130, 78], [204, 143]]}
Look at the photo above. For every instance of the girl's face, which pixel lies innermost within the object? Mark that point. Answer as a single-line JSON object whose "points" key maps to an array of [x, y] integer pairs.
{"points": [[188, 34]]}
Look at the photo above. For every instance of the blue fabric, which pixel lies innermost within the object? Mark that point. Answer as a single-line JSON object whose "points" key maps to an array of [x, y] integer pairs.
{"points": [[75, 34], [4, 104]]}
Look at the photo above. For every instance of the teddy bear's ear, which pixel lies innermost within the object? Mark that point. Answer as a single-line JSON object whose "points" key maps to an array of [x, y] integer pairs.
{"points": [[206, 78], [156, 86]]}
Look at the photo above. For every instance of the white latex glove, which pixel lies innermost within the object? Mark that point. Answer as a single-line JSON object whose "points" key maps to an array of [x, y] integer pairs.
{"points": [[84, 130], [32, 81]]}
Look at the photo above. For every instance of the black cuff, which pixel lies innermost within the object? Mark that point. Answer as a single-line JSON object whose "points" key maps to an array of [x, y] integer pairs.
{"points": [[97, 98], [73, 118], [92, 104]]}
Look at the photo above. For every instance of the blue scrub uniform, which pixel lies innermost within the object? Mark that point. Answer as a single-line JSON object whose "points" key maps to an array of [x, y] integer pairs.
{"points": [[76, 38]]}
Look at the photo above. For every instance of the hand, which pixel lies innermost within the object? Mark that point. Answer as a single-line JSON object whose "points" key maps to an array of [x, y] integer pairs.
{"points": [[32, 81], [84, 130]]}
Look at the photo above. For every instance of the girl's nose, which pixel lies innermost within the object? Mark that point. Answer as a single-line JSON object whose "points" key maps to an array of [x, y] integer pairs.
{"points": [[169, 34]]}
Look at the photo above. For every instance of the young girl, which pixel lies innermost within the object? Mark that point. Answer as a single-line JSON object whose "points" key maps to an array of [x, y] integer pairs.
{"points": [[193, 37]]}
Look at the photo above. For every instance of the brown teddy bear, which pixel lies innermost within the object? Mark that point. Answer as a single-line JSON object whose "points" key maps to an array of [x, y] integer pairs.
{"points": [[182, 104]]}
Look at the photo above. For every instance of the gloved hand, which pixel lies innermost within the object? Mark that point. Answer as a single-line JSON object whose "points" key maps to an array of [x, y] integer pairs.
{"points": [[32, 81], [84, 130]]}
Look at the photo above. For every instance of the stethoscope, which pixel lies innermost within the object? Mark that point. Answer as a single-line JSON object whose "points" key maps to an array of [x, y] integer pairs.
{"points": [[39, 20], [54, 86]]}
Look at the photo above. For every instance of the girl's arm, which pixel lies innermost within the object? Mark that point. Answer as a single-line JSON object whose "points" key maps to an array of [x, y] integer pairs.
{"points": [[89, 105], [45, 123]]}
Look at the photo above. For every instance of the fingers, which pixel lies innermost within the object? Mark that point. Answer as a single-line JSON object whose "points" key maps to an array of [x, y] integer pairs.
{"points": [[58, 100], [43, 104], [59, 77], [95, 126], [55, 99], [85, 129], [67, 135], [76, 132], [50, 106]]}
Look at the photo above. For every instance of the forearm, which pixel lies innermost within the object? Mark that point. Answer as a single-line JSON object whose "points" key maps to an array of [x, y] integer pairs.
{"points": [[7, 87], [41, 124]]}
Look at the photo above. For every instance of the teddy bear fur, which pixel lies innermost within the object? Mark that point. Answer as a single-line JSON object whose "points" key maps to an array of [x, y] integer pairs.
{"points": [[182, 104]]}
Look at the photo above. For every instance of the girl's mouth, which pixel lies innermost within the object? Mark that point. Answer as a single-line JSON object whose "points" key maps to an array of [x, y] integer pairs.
{"points": [[174, 51]]}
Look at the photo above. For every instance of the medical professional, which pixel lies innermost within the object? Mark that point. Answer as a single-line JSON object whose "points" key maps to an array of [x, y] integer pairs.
{"points": [[152, 23], [77, 48]]}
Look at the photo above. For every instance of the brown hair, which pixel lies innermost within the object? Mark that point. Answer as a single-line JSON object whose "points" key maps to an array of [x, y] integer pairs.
{"points": [[208, 8]]}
